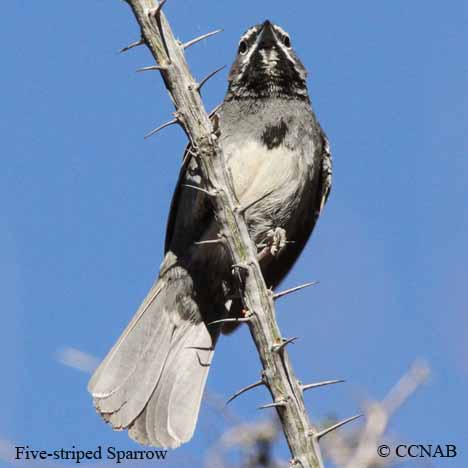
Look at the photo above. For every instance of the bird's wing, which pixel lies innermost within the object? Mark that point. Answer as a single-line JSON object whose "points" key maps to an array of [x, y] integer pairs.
{"points": [[194, 201], [326, 173]]}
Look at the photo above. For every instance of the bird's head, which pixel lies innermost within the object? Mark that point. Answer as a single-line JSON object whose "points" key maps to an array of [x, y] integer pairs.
{"points": [[266, 66]]}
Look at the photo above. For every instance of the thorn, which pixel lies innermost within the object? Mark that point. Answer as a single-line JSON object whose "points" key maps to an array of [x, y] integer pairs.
{"points": [[215, 109], [240, 271], [321, 384], [243, 209], [155, 11], [189, 152], [200, 348], [151, 68], [275, 404], [200, 38], [240, 266], [323, 433], [203, 364], [207, 192], [156, 130], [278, 348], [240, 320], [202, 82], [245, 389], [296, 288], [132, 45], [233, 297], [210, 241]]}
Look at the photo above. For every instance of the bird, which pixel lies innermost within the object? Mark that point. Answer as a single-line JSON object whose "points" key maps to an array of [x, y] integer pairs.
{"points": [[152, 380]]}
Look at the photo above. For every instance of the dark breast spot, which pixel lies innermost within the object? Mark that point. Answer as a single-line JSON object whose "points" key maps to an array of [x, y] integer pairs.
{"points": [[274, 135]]}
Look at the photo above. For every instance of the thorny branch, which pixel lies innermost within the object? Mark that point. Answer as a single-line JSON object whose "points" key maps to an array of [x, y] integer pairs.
{"points": [[278, 375], [356, 448], [359, 450]]}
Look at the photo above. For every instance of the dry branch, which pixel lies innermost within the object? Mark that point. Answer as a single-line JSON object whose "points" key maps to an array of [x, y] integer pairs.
{"points": [[190, 113], [358, 448], [379, 413]]}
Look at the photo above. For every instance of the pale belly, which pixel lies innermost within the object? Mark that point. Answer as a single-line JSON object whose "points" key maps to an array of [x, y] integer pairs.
{"points": [[271, 176]]}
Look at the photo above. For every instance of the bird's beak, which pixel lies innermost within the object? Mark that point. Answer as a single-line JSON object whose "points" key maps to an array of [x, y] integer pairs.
{"points": [[267, 37]]}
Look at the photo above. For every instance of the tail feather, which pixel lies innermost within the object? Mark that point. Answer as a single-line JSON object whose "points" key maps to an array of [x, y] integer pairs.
{"points": [[121, 361], [131, 398], [172, 412], [152, 380]]}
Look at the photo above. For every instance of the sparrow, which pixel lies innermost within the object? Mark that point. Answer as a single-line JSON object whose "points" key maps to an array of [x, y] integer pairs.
{"points": [[152, 380]]}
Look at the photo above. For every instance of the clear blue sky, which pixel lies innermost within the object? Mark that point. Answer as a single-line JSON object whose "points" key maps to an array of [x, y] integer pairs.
{"points": [[84, 201]]}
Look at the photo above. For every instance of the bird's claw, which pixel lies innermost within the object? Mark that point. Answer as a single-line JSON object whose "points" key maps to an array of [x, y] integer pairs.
{"points": [[274, 243], [276, 240]]}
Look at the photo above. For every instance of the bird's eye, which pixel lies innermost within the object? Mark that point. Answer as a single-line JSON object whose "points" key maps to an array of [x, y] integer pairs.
{"points": [[287, 42], [243, 47]]}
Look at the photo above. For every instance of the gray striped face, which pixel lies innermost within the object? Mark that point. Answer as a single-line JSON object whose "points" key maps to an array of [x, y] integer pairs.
{"points": [[267, 66]]}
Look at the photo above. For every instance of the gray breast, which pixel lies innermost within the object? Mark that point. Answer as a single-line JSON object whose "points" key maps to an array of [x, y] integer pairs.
{"points": [[269, 161]]}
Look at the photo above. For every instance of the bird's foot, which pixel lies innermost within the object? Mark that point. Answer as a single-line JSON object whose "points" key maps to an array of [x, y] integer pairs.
{"points": [[274, 243], [277, 240]]}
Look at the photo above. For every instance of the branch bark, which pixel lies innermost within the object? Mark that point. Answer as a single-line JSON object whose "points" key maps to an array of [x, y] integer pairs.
{"points": [[278, 374]]}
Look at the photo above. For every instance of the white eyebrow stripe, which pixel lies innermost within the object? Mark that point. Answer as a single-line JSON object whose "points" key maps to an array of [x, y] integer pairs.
{"points": [[249, 33], [281, 30]]}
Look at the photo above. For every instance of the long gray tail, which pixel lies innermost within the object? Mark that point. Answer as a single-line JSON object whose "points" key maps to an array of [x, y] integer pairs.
{"points": [[152, 380]]}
